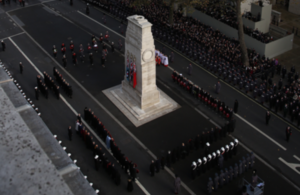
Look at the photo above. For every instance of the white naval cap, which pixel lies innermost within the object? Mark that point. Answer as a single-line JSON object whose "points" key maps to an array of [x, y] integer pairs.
{"points": [[199, 160], [207, 144], [194, 163]]}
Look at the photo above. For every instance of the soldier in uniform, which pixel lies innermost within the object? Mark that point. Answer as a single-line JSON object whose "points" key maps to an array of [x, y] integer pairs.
{"points": [[3, 45], [193, 170], [204, 164], [241, 167], [112, 47], [199, 163], [207, 149], [81, 51], [57, 92], [230, 173], [70, 133], [64, 60], [226, 176], [236, 106], [209, 157], [63, 48], [288, 133], [36, 90], [216, 182], [226, 154], [91, 59], [221, 179], [220, 161], [213, 160], [72, 46], [236, 142], [54, 51], [21, 67], [236, 171], [210, 186], [74, 57], [152, 168], [87, 9], [268, 116]]}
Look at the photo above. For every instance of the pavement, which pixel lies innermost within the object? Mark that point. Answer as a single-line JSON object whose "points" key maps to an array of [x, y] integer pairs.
{"points": [[65, 23]]}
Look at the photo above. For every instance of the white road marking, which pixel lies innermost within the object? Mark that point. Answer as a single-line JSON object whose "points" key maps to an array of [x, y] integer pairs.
{"points": [[291, 165], [214, 123], [100, 24], [255, 128], [296, 157], [25, 56], [13, 35], [201, 113]]}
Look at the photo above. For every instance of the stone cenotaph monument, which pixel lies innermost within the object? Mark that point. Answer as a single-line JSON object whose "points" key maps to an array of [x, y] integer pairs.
{"points": [[138, 97]]}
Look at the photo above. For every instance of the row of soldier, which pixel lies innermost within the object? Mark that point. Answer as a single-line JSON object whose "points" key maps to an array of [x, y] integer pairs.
{"points": [[201, 94], [43, 87], [65, 85], [214, 159], [98, 154], [128, 166], [231, 173]]}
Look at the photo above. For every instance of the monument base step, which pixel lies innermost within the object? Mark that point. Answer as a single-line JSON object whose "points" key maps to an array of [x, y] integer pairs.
{"points": [[131, 109]]}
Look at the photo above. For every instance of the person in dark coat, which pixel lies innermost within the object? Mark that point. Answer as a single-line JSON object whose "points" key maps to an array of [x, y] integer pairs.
{"points": [[3, 45], [36, 90], [236, 106], [210, 186], [70, 133], [190, 68], [87, 9], [177, 184], [268, 116], [288, 133], [216, 182], [129, 185], [21, 67], [157, 165], [152, 168]]}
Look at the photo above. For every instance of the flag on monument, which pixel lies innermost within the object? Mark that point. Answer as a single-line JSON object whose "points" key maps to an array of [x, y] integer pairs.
{"points": [[134, 75]]}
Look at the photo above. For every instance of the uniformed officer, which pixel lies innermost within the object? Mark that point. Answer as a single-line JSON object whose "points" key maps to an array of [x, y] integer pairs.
{"points": [[209, 157], [70, 133], [216, 182], [91, 59], [220, 161], [36, 90], [87, 9], [213, 160], [207, 149], [210, 186], [54, 51], [57, 92], [194, 170], [97, 162], [226, 176], [63, 48], [112, 47], [81, 51], [221, 179], [46, 92], [268, 116], [71, 46], [230, 172], [236, 171], [204, 164], [226, 154], [199, 163], [288, 132], [152, 168], [71, 2], [236, 142], [64, 60], [252, 157], [3, 45]]}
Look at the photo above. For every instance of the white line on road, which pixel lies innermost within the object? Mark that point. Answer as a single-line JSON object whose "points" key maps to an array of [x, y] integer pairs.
{"points": [[201, 113], [296, 157], [22, 108], [291, 165], [12, 36], [25, 56], [100, 24], [255, 128]]}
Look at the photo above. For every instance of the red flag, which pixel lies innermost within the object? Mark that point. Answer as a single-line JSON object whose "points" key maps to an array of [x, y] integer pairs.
{"points": [[134, 75]]}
